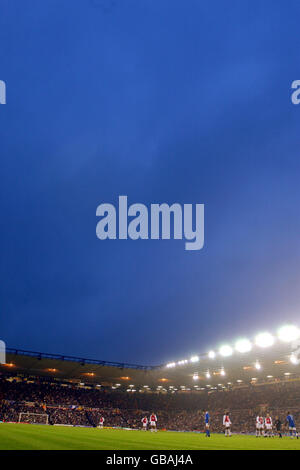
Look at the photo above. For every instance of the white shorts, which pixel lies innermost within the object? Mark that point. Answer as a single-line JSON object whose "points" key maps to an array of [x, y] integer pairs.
{"points": [[144, 425], [207, 425], [227, 425], [259, 426], [292, 429], [268, 427], [152, 423]]}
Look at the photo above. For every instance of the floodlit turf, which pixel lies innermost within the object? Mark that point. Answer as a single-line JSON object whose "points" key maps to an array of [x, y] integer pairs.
{"points": [[30, 437]]}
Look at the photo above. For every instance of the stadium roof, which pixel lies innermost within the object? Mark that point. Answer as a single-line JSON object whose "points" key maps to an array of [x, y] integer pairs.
{"points": [[203, 372]]}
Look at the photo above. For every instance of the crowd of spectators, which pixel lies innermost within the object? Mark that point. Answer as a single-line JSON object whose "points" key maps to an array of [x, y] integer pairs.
{"points": [[68, 404]]}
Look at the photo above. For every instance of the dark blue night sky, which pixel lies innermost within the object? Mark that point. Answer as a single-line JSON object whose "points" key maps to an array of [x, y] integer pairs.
{"points": [[163, 101]]}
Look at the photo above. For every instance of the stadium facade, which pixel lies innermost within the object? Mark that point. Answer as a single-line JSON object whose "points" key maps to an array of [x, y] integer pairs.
{"points": [[267, 359]]}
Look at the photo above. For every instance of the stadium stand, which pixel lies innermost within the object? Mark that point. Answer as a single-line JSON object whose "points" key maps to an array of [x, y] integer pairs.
{"points": [[62, 390], [70, 405]]}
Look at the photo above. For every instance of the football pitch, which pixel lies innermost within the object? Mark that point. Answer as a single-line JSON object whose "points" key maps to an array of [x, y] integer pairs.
{"points": [[37, 437]]}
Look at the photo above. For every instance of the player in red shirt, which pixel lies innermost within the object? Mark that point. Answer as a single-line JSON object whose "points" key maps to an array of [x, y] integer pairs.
{"points": [[101, 422], [227, 424], [153, 422], [268, 426], [145, 422], [259, 426]]}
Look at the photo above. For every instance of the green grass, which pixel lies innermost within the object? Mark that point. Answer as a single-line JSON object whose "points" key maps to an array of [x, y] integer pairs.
{"points": [[31, 437]]}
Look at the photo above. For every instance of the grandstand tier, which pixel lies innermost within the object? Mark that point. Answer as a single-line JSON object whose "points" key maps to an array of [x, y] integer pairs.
{"points": [[62, 390], [255, 367]]}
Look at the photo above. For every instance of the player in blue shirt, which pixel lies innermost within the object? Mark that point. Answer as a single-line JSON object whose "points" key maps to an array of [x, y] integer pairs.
{"points": [[291, 424], [207, 422]]}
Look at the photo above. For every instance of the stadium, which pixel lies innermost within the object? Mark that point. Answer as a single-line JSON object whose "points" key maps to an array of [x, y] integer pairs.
{"points": [[52, 401], [149, 274]]}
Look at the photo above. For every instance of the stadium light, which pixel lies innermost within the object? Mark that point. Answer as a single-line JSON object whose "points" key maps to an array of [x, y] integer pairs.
{"points": [[288, 333], [207, 375], [183, 361], [171, 364], [294, 359], [211, 354], [225, 350], [223, 372], [264, 340], [194, 359], [243, 345], [195, 377], [257, 365]]}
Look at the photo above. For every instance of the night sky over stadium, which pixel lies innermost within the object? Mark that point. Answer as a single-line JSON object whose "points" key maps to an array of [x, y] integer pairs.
{"points": [[162, 101]]}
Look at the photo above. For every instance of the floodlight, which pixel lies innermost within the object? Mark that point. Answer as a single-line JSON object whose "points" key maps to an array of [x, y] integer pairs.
{"points": [[194, 359], [264, 340], [222, 372], [294, 359], [211, 354], [243, 345], [225, 350], [171, 364], [183, 361], [195, 377], [207, 375], [257, 366], [288, 333]]}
